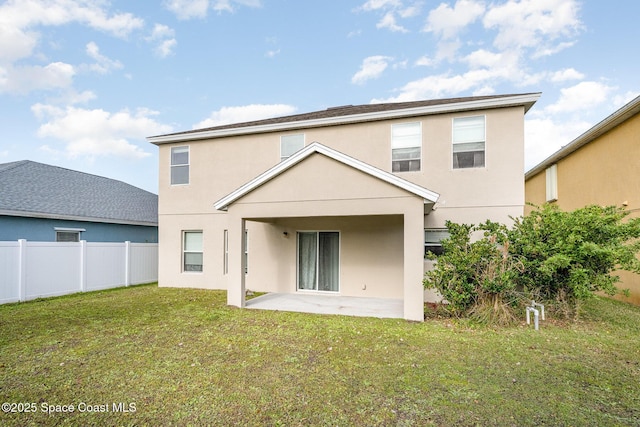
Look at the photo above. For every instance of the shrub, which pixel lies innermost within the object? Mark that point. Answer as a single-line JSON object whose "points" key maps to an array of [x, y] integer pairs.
{"points": [[477, 278], [569, 256], [549, 255]]}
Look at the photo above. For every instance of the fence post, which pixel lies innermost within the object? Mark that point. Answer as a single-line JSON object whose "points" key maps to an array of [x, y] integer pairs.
{"points": [[22, 269], [83, 266], [127, 263]]}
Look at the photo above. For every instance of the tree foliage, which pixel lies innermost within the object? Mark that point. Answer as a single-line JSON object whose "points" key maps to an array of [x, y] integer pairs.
{"points": [[549, 255]]}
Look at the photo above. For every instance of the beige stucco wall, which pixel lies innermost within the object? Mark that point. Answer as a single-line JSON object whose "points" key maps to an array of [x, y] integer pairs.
{"points": [[605, 172], [219, 166]]}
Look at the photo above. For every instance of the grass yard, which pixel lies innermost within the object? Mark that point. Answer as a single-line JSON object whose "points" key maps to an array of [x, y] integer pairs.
{"points": [[182, 357]]}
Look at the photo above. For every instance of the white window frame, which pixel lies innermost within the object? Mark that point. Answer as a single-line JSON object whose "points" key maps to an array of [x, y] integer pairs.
{"points": [[225, 249], [68, 231], [175, 166], [246, 251], [432, 244], [291, 138], [396, 145], [185, 252], [454, 143], [551, 181]]}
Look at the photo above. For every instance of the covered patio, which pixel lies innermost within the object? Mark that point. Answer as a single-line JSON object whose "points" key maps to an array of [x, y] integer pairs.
{"points": [[329, 304]]}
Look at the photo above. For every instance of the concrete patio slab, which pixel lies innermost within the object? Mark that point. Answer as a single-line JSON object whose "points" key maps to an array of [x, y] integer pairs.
{"points": [[329, 304]]}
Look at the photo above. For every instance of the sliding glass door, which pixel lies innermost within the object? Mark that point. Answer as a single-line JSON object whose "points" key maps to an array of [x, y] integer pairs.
{"points": [[319, 260]]}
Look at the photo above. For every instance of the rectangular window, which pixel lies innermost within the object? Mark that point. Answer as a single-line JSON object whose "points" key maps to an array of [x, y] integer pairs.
{"points": [[406, 147], [192, 251], [64, 234], [67, 236], [552, 183], [289, 144], [433, 238], [319, 261], [469, 142], [225, 262], [246, 251], [179, 165]]}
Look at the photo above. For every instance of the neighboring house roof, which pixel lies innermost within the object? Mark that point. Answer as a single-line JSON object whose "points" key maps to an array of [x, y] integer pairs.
{"points": [[627, 111], [429, 196], [38, 190], [353, 114]]}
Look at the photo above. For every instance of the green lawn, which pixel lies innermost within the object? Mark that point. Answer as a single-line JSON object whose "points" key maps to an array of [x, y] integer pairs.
{"points": [[182, 357]]}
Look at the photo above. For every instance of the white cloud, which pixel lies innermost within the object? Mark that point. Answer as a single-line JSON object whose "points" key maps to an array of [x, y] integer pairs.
{"points": [[544, 136], [164, 38], [566, 74], [20, 15], [583, 96], [447, 22], [95, 133], [246, 113], [425, 61], [187, 9], [380, 4], [24, 79], [371, 68], [272, 53], [388, 21], [19, 39], [103, 65], [535, 24]]}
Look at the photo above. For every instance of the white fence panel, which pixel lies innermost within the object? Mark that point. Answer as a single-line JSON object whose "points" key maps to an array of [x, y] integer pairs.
{"points": [[31, 270], [52, 269], [9, 272], [143, 261], [105, 265]]}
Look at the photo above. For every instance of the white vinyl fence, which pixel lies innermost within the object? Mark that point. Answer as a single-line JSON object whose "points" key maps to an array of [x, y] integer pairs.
{"points": [[31, 270]]}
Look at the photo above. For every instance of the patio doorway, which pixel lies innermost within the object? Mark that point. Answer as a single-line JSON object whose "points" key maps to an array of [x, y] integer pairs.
{"points": [[319, 261]]}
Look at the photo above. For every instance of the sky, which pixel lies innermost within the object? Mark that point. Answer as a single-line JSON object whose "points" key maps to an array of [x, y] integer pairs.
{"points": [[84, 82]]}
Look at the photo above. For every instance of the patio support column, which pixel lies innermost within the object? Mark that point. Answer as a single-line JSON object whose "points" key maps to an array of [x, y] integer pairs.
{"points": [[414, 264], [236, 285]]}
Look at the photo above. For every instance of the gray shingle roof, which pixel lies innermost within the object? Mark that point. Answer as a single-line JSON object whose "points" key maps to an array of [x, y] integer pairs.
{"points": [[36, 189], [349, 110]]}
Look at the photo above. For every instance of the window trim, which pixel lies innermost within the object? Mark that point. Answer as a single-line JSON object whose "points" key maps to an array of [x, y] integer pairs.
{"points": [[551, 183], [391, 140], [453, 143], [61, 230], [172, 166], [225, 252], [184, 252], [428, 245], [282, 157]]}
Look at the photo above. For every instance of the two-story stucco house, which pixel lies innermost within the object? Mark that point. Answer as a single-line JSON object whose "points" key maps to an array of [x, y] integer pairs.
{"points": [[341, 201]]}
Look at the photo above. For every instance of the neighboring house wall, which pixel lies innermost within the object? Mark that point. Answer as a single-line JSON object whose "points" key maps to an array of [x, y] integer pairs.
{"points": [[605, 171], [219, 166], [43, 230]]}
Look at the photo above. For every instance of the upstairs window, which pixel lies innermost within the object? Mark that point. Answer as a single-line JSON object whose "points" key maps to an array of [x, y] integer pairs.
{"points": [[289, 144], [406, 147], [552, 183], [179, 165], [468, 142]]}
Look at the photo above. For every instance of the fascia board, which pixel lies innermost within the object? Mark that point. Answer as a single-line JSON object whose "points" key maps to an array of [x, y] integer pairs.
{"points": [[316, 147], [526, 100], [45, 215]]}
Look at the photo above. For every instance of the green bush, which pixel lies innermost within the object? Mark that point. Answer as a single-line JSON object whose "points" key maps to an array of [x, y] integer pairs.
{"points": [[569, 256], [550, 256]]}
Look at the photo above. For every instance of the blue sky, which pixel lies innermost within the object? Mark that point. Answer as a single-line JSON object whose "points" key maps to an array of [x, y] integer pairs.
{"points": [[83, 82]]}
